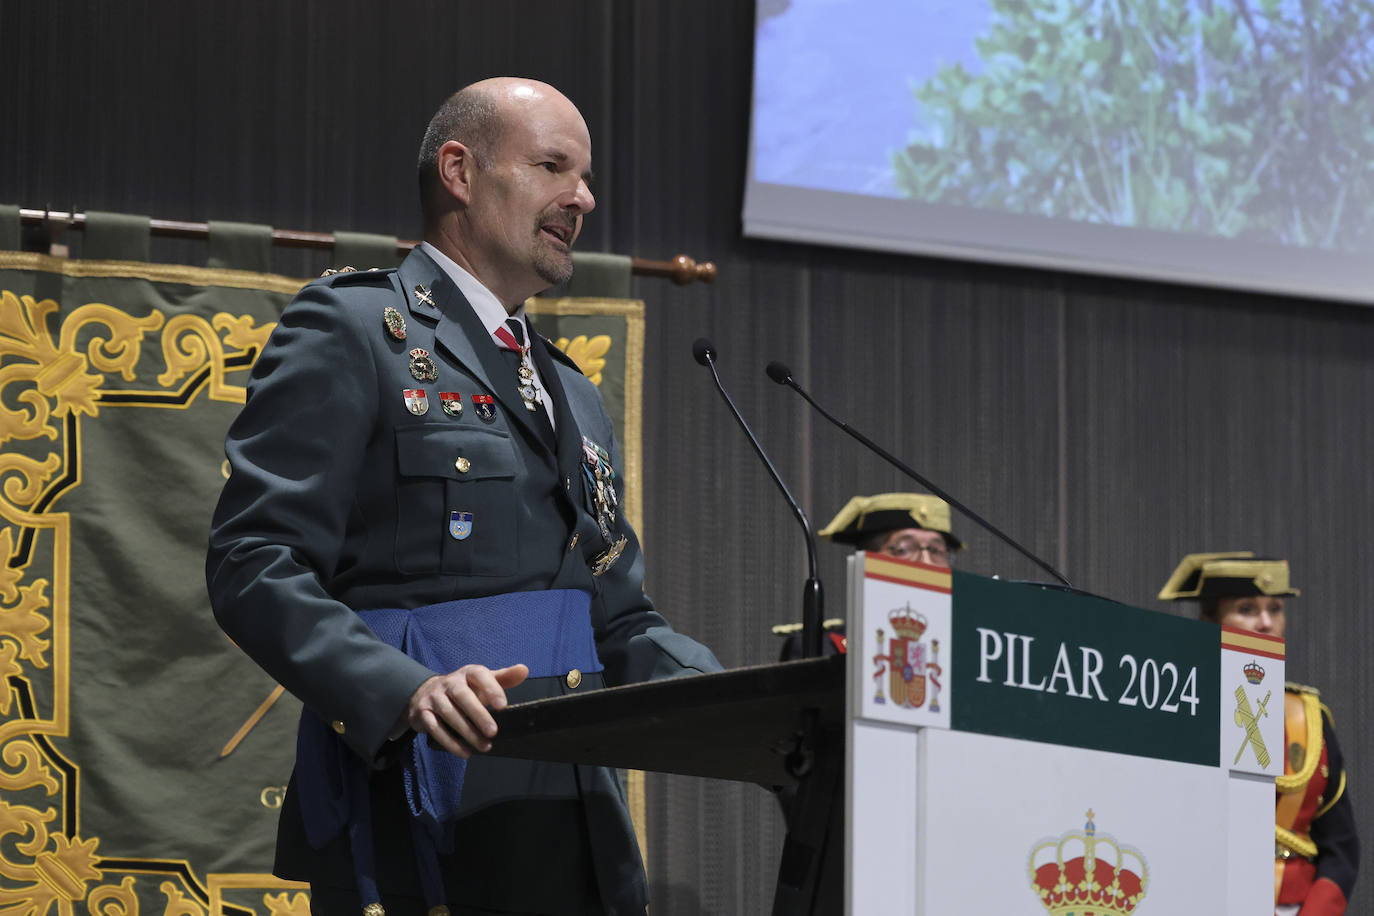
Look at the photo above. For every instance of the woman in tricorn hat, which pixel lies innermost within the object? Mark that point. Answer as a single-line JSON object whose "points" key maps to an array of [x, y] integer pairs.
{"points": [[1316, 850]]}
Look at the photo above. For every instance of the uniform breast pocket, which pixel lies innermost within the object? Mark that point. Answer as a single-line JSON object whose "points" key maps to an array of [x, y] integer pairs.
{"points": [[455, 503]]}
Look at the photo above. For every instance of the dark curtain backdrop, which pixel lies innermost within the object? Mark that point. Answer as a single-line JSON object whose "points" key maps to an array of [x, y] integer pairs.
{"points": [[1110, 425]]}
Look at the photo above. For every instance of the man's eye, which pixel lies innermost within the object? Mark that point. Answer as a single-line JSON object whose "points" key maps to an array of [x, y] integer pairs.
{"points": [[549, 166]]}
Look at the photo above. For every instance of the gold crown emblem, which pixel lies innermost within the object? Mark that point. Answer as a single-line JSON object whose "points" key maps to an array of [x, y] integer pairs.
{"points": [[1253, 672], [906, 623], [1087, 874]]}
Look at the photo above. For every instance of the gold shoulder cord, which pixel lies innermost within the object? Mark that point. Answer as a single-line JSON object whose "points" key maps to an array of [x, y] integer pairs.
{"points": [[1299, 844], [1296, 782], [1312, 712], [1290, 783]]}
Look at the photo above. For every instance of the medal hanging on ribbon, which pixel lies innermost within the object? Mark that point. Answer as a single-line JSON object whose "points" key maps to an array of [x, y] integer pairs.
{"points": [[529, 392]]}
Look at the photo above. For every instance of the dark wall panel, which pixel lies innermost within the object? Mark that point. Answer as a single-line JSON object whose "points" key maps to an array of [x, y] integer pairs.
{"points": [[1110, 426]]}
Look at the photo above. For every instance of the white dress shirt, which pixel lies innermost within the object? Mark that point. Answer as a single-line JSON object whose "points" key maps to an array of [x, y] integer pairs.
{"points": [[490, 312]]}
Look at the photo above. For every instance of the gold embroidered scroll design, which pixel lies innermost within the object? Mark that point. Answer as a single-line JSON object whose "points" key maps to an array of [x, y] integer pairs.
{"points": [[50, 379]]}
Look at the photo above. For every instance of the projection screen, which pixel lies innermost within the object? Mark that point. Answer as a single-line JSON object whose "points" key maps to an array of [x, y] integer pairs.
{"points": [[1217, 142]]}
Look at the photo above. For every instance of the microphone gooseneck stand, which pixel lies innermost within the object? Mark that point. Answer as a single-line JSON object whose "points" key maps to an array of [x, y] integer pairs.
{"points": [[779, 373], [810, 875], [812, 602]]}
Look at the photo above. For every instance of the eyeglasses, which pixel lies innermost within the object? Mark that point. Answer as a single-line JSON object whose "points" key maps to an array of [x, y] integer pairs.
{"points": [[907, 549]]}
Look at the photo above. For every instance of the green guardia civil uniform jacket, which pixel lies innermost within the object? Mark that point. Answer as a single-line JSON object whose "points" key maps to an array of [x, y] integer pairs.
{"points": [[340, 499]]}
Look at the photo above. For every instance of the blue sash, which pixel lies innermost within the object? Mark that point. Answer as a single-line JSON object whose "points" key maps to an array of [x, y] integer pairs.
{"points": [[550, 631]]}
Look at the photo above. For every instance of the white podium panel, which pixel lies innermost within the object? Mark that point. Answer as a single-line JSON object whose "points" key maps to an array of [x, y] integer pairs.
{"points": [[879, 831], [1005, 819], [1018, 749], [1250, 845]]}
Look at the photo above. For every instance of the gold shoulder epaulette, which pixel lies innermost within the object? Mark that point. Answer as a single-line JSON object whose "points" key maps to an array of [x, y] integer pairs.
{"points": [[1301, 688], [787, 629]]}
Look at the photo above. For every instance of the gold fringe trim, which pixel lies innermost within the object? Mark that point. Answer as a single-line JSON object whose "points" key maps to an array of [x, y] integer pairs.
{"points": [[154, 273]]}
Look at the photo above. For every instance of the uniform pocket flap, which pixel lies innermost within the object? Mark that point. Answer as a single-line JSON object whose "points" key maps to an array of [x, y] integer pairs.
{"points": [[456, 454]]}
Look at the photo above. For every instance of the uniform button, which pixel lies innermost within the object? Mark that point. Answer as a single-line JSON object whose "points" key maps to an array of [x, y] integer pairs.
{"points": [[462, 464], [439, 910], [574, 678], [338, 726], [567, 483], [573, 542]]}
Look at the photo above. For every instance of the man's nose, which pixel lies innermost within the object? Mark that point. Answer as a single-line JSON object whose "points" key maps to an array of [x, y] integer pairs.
{"points": [[582, 198]]}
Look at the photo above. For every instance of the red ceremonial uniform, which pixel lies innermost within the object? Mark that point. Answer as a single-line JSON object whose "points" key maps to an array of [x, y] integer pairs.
{"points": [[1316, 850]]}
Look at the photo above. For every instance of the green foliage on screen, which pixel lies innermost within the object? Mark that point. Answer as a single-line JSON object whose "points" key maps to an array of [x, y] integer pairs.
{"points": [[1234, 118]]}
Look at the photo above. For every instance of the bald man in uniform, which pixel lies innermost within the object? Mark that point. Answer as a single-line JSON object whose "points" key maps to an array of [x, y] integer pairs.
{"points": [[422, 524]]}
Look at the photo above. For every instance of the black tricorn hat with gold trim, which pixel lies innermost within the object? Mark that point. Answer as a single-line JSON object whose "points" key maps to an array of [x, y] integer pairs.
{"points": [[1238, 574], [864, 516]]}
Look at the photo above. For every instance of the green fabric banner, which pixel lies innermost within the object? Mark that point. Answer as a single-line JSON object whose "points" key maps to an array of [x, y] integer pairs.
{"points": [[145, 756], [362, 250]]}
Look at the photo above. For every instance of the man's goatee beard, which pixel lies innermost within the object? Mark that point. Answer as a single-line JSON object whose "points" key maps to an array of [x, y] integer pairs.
{"points": [[554, 271]]}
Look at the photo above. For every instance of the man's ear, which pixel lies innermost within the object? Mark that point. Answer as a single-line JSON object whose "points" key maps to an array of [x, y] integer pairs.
{"points": [[456, 166]]}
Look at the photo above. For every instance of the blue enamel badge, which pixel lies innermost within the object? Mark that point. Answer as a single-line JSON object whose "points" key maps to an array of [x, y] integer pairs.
{"points": [[460, 525], [484, 405]]}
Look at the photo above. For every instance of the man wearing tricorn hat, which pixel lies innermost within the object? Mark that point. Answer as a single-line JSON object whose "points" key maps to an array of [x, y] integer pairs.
{"points": [[1316, 850], [908, 526]]}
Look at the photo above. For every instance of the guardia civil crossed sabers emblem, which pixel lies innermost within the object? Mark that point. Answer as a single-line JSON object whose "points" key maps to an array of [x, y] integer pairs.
{"points": [[1248, 720], [1252, 734]]}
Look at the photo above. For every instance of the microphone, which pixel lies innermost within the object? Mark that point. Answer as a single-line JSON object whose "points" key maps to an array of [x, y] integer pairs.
{"points": [[779, 373], [705, 354]]}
